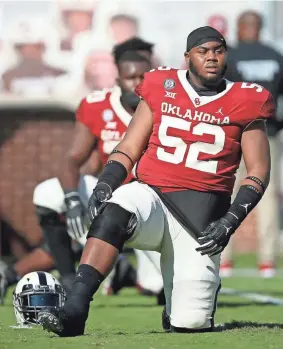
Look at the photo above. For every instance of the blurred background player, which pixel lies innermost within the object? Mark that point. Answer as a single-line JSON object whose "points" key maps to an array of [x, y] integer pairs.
{"points": [[254, 61], [40, 258]]}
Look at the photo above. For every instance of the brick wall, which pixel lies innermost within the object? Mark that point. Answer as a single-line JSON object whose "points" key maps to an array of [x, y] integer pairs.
{"points": [[32, 143]]}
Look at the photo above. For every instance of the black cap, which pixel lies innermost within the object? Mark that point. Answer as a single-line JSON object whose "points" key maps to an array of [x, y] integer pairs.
{"points": [[133, 44], [202, 35]]}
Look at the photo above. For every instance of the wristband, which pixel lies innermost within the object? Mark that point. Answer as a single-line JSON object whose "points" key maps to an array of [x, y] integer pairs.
{"points": [[116, 151], [114, 174], [257, 181], [247, 198]]}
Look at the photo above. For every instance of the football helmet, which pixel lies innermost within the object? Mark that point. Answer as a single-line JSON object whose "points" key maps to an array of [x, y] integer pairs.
{"points": [[35, 291]]}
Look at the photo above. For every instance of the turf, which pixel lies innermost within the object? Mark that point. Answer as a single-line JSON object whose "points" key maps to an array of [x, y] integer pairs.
{"points": [[132, 321]]}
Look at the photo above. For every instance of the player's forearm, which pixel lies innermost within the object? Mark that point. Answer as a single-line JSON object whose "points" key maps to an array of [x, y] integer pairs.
{"points": [[69, 175]]}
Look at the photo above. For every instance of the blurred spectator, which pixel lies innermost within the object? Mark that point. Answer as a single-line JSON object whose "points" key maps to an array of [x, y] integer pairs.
{"points": [[31, 75], [100, 71], [123, 27], [77, 19], [219, 23], [258, 63], [255, 61]]}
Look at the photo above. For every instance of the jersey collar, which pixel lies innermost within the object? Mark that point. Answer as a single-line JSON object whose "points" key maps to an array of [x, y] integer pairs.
{"points": [[117, 106], [193, 95]]}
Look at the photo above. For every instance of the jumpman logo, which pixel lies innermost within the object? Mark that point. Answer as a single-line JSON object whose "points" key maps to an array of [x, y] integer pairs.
{"points": [[246, 207], [227, 229], [220, 111]]}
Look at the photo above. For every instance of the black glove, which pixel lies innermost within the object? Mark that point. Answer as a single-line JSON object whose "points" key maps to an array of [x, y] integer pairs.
{"points": [[216, 236], [75, 215], [101, 193]]}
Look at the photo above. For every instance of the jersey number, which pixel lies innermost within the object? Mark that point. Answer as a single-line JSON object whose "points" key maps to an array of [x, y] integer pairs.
{"points": [[252, 85], [194, 149]]}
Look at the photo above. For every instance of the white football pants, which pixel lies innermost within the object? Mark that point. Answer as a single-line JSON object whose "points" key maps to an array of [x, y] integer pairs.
{"points": [[191, 281]]}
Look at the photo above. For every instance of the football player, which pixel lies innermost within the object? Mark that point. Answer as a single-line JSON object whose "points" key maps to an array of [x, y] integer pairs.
{"points": [[102, 118], [187, 134]]}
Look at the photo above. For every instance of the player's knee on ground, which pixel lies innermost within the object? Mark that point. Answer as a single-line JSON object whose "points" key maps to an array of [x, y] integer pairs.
{"points": [[193, 304], [114, 225], [191, 320]]}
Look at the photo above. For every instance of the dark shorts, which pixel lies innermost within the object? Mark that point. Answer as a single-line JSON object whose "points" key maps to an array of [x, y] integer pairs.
{"points": [[195, 209]]}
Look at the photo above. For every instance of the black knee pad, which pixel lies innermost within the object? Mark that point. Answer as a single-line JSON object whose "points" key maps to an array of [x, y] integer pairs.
{"points": [[46, 216], [114, 225]]}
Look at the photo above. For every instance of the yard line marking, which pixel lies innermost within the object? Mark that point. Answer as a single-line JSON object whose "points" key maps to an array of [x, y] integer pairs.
{"points": [[256, 297]]}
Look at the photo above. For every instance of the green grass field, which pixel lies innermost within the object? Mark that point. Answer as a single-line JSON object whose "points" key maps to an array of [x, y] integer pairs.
{"points": [[132, 321]]}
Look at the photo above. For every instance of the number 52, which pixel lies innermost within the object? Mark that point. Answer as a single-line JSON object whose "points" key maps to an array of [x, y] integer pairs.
{"points": [[194, 149]]}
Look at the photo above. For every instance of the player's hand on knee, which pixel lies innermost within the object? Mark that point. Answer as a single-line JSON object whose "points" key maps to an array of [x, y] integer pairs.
{"points": [[101, 193], [75, 215], [216, 237]]}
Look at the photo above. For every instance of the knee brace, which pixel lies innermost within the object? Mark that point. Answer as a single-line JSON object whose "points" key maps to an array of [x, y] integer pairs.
{"points": [[114, 225]]}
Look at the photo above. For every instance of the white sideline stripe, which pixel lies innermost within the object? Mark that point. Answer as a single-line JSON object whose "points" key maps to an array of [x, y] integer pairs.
{"points": [[252, 272], [257, 297]]}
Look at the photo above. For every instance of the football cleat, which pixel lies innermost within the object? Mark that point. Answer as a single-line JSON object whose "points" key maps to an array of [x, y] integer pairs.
{"points": [[50, 321], [166, 321], [58, 322]]}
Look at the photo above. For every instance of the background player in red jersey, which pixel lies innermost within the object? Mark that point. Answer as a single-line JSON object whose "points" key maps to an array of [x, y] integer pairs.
{"points": [[188, 133]]}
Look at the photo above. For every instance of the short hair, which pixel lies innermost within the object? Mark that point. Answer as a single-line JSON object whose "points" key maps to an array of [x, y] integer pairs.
{"points": [[253, 13], [124, 17], [133, 44], [131, 56]]}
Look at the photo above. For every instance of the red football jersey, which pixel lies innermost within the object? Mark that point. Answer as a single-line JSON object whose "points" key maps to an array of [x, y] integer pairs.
{"points": [[196, 140], [104, 115]]}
